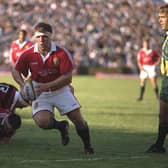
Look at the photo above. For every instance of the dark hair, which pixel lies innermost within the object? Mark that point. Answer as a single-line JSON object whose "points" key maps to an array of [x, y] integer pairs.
{"points": [[43, 27], [23, 31], [14, 120], [146, 38], [163, 9]]}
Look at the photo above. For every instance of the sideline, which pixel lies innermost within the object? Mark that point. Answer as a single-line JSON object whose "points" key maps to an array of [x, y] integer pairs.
{"points": [[101, 75]]}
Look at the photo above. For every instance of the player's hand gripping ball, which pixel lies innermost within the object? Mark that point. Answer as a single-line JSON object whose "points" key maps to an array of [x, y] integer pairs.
{"points": [[28, 91]]}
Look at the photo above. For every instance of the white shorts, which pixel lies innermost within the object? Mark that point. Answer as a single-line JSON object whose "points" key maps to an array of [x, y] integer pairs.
{"points": [[62, 99], [149, 71]]}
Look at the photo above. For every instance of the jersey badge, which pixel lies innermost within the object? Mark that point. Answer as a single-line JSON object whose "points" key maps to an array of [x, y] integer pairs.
{"points": [[56, 61]]}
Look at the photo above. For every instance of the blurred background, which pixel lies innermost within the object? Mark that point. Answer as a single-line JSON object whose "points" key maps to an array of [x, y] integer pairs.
{"points": [[102, 35]]}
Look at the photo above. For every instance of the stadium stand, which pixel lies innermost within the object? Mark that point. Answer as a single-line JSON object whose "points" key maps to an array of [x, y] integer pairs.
{"points": [[100, 33]]}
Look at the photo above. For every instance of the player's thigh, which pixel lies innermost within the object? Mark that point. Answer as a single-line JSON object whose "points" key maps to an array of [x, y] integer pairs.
{"points": [[42, 110], [143, 75], [65, 102], [43, 118], [42, 103], [151, 71]]}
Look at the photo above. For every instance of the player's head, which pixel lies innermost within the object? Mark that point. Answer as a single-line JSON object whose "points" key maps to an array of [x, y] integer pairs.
{"points": [[163, 9], [146, 42], [9, 124], [22, 35], [43, 29], [14, 120], [163, 16]]}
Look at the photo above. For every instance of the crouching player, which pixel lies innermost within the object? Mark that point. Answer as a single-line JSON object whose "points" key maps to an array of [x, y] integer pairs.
{"points": [[9, 123], [10, 99]]}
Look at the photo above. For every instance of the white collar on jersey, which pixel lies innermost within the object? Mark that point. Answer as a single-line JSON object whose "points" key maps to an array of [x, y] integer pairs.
{"points": [[53, 47], [21, 45]]}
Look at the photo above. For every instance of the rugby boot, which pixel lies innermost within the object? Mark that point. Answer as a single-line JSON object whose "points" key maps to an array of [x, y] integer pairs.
{"points": [[156, 149], [89, 150]]}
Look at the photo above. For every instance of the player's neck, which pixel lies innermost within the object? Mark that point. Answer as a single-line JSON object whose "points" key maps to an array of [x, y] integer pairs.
{"points": [[44, 50]]}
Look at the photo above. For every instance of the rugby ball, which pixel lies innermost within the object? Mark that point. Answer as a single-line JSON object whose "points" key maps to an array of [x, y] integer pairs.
{"points": [[28, 91]]}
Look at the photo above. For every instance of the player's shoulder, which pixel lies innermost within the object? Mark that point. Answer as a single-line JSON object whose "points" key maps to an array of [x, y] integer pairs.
{"points": [[62, 50], [29, 50], [14, 43], [155, 51], [141, 51], [30, 42], [7, 85]]}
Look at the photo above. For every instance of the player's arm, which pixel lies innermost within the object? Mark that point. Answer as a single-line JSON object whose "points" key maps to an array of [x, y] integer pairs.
{"points": [[11, 54], [140, 66], [158, 59], [18, 77], [61, 81]]}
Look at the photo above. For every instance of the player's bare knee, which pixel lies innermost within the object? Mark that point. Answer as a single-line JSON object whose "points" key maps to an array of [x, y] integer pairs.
{"points": [[44, 125], [42, 122]]}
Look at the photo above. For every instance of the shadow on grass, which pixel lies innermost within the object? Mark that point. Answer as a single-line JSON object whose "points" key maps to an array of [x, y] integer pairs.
{"points": [[107, 142], [34, 147]]}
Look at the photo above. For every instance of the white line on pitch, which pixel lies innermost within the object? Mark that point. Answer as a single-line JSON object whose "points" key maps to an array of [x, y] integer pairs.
{"points": [[84, 159]]}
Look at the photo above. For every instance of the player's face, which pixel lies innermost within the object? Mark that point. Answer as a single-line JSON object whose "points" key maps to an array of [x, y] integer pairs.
{"points": [[43, 42], [21, 36], [145, 44], [163, 20]]}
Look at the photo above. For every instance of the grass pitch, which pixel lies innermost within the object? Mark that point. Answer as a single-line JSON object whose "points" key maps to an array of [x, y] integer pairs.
{"points": [[121, 130]]}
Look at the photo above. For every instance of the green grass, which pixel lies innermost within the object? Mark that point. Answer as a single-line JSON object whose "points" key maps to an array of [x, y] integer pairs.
{"points": [[121, 130]]}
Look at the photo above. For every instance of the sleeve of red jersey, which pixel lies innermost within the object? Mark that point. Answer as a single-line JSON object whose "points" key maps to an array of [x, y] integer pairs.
{"points": [[22, 65], [12, 54], [157, 54], [66, 63]]}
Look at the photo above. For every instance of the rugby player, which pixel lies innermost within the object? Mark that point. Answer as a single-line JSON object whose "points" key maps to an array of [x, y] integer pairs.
{"points": [[18, 46], [148, 59], [51, 68], [158, 146]]}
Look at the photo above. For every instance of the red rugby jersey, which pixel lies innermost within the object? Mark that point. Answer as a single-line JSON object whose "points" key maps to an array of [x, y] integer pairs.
{"points": [[58, 62], [148, 58], [7, 93], [18, 48]]}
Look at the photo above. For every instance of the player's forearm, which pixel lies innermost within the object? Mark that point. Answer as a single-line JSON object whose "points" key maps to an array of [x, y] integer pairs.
{"points": [[140, 66], [158, 62], [62, 80], [17, 77]]}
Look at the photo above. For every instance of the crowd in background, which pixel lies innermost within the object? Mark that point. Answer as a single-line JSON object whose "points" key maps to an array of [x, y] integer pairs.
{"points": [[99, 33]]}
